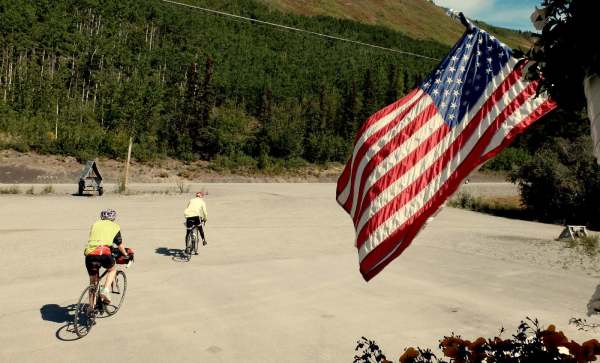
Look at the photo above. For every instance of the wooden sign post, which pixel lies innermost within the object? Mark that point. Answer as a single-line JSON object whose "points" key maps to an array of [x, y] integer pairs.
{"points": [[127, 165]]}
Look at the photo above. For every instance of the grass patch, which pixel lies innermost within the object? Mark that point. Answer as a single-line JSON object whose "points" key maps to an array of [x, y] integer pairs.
{"points": [[121, 188], [588, 245], [510, 207], [13, 189], [30, 191], [182, 187], [48, 189]]}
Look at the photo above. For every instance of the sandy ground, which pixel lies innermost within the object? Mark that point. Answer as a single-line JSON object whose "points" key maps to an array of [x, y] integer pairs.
{"points": [[278, 282]]}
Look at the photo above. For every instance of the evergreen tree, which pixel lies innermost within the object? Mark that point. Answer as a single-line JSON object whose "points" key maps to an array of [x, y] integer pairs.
{"points": [[407, 81], [348, 120], [393, 82], [369, 96]]}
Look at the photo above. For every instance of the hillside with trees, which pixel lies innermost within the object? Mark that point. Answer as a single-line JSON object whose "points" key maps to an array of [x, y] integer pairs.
{"points": [[81, 77]]}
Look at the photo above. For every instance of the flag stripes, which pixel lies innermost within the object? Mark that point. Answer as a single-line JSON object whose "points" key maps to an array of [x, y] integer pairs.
{"points": [[407, 159]]}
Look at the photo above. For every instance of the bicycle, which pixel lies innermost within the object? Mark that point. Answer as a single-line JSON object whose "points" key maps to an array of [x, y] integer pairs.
{"points": [[91, 306], [191, 240]]}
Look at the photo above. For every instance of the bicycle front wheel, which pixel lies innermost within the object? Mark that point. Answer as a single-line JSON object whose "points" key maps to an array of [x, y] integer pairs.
{"points": [[118, 289], [85, 315]]}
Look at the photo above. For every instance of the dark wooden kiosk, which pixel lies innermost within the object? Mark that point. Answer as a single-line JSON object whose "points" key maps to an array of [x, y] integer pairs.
{"points": [[90, 179]]}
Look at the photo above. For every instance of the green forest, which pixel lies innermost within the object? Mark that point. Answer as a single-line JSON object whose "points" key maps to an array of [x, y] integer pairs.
{"points": [[80, 77]]}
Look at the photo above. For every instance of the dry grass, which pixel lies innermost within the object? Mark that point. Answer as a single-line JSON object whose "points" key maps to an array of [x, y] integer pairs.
{"points": [[589, 245], [416, 18], [509, 206], [13, 189], [48, 189]]}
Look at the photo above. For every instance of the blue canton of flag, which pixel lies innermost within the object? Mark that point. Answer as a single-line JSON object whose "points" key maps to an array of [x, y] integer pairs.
{"points": [[459, 81]]}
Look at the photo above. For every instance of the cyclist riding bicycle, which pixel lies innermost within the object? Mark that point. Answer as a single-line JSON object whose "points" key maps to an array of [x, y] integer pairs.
{"points": [[196, 214], [103, 234]]}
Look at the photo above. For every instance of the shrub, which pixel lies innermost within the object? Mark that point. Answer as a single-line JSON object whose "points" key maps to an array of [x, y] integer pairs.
{"points": [[529, 344], [561, 183], [509, 159], [463, 200], [324, 147], [237, 162]]}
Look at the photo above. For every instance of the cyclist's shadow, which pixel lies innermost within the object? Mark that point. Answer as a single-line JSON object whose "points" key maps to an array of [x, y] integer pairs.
{"points": [[175, 254], [61, 314]]}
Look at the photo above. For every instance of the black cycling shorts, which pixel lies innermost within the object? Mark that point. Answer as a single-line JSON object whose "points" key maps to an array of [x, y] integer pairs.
{"points": [[93, 263], [192, 221]]}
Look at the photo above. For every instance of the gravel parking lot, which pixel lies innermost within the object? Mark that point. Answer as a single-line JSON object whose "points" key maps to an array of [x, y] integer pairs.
{"points": [[278, 281]]}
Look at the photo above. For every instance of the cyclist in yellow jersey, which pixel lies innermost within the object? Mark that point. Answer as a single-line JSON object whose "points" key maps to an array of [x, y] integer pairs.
{"points": [[103, 234], [195, 215]]}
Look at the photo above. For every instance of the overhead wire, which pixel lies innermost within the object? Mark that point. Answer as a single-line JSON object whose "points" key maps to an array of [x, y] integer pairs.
{"points": [[328, 36]]}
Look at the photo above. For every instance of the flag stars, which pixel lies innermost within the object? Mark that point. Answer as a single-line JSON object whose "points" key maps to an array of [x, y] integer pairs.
{"points": [[462, 68], [438, 81], [449, 80], [446, 93], [435, 92], [451, 69], [488, 70], [489, 59], [454, 58], [453, 105], [489, 48], [455, 92]]}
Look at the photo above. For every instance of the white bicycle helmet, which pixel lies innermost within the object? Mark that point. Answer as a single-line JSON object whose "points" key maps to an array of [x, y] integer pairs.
{"points": [[109, 214]]}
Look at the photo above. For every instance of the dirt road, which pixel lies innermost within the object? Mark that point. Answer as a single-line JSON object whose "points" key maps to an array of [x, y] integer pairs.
{"points": [[278, 281]]}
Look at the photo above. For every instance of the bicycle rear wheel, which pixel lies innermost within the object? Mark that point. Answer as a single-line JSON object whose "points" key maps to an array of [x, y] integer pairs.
{"points": [[85, 315], [118, 289], [189, 245], [196, 239]]}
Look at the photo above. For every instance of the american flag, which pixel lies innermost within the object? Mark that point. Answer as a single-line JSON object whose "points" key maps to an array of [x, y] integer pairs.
{"points": [[412, 155]]}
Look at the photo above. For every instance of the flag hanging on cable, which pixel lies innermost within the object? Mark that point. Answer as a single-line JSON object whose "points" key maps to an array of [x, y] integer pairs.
{"points": [[409, 157]]}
